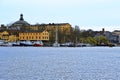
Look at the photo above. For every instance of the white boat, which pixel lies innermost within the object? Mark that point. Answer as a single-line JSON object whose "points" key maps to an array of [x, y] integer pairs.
{"points": [[26, 43], [9, 44], [16, 44], [83, 45], [68, 44], [56, 44]]}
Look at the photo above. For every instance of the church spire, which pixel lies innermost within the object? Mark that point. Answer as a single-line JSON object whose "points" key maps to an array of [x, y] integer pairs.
{"points": [[21, 17]]}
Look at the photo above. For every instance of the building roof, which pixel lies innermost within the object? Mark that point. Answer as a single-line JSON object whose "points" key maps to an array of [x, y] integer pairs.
{"points": [[21, 21], [33, 31], [51, 24]]}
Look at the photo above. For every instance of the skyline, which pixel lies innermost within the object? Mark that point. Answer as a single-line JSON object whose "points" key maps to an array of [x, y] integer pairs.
{"points": [[87, 14]]}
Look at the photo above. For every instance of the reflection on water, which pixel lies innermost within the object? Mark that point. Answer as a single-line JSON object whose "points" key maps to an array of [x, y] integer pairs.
{"points": [[96, 63]]}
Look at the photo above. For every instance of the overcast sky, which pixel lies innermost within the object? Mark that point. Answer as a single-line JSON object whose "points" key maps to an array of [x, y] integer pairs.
{"points": [[93, 14]]}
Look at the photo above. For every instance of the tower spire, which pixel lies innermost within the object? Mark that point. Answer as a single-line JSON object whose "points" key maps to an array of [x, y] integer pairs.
{"points": [[21, 17]]}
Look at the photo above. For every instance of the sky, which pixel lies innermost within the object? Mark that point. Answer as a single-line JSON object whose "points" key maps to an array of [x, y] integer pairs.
{"points": [[87, 14]]}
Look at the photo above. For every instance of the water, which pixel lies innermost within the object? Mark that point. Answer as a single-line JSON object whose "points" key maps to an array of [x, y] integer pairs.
{"points": [[30, 63]]}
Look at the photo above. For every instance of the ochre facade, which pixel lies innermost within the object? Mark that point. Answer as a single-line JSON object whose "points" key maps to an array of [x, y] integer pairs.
{"points": [[33, 36], [23, 36], [4, 35]]}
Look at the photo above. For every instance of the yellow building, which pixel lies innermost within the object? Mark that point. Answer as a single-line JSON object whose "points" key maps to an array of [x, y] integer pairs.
{"points": [[34, 36], [13, 38], [4, 36], [64, 30], [7, 37], [62, 27]]}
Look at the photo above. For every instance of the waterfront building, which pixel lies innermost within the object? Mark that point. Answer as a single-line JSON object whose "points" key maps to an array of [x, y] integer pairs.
{"points": [[34, 36], [22, 30], [63, 27], [64, 31], [6, 36]]}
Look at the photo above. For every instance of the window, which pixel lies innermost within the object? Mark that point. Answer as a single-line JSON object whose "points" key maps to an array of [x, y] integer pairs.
{"points": [[36, 37], [29, 37]]}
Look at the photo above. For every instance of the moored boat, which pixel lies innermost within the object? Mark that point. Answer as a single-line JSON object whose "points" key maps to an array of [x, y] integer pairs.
{"points": [[38, 43], [16, 44], [1, 42], [26, 43]]}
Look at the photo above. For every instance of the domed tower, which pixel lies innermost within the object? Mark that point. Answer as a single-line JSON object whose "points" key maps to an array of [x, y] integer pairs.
{"points": [[20, 24], [21, 17]]}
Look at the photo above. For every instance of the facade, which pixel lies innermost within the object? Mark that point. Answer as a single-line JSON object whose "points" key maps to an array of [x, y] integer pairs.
{"points": [[4, 36], [64, 31], [34, 36], [7, 37], [112, 37], [23, 36], [62, 27]]}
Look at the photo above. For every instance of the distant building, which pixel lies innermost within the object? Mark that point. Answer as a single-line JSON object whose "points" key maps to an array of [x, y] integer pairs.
{"points": [[62, 27], [3, 27], [34, 36], [22, 30], [117, 33], [119, 39], [111, 37], [20, 24], [7, 37]]}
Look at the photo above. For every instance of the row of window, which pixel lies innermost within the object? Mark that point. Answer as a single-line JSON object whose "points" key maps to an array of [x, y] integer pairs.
{"points": [[33, 33], [33, 37], [4, 37], [30, 33], [45, 33], [45, 37], [30, 37]]}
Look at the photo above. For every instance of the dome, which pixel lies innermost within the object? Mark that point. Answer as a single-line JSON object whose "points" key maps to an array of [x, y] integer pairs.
{"points": [[21, 22]]}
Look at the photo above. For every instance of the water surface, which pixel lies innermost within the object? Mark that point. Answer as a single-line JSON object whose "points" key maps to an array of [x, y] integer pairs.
{"points": [[49, 63]]}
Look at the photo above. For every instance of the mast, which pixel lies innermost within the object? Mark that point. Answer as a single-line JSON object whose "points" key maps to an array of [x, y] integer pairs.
{"points": [[15, 38], [56, 37], [56, 44]]}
